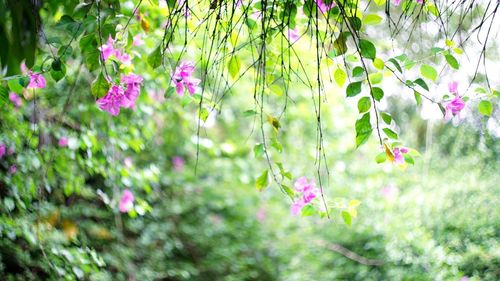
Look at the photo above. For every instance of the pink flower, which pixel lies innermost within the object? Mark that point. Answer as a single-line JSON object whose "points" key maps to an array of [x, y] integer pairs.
{"points": [[297, 206], [324, 7], [138, 40], [454, 107], [13, 169], [15, 99], [10, 151], [63, 141], [128, 162], [398, 155], [293, 35], [133, 88], [453, 87], [182, 78], [108, 49], [309, 192], [127, 201], [390, 192], [178, 163], [36, 81], [113, 100], [397, 2], [465, 278], [420, 1], [261, 214], [3, 148]]}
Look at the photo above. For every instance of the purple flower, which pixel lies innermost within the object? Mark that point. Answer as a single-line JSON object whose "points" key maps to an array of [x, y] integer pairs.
{"points": [[324, 7], [113, 100], [178, 163], [454, 107], [138, 40], [63, 142], [3, 148], [309, 192], [398, 155], [108, 49], [126, 201], [133, 88], [420, 1], [15, 99], [13, 169], [36, 81], [183, 79], [453, 87]]}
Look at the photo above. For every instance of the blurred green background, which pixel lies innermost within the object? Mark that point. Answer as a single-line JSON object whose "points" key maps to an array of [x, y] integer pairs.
{"points": [[436, 220]]}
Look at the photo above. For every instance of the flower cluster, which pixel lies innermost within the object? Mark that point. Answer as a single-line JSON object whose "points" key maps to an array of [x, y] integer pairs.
{"points": [[37, 81], [308, 192], [398, 153], [117, 97], [456, 105], [108, 50], [183, 78], [126, 201]]}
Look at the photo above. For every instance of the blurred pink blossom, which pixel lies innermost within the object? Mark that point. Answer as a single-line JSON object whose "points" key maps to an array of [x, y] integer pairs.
{"points": [[126, 201], [390, 192], [178, 163], [63, 141], [13, 169], [15, 99]]}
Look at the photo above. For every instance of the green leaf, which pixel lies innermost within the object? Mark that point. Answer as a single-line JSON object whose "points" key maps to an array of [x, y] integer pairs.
{"points": [[386, 117], [396, 64], [364, 104], [428, 72], [381, 157], [347, 218], [340, 44], [390, 133], [363, 129], [409, 159], [203, 114], [262, 181], [258, 150], [58, 74], [452, 61], [358, 71], [99, 86], [234, 66], [375, 78], [155, 58], [17, 84], [249, 112], [485, 107], [353, 89], [378, 64], [340, 77], [418, 97], [377, 93], [372, 19], [4, 95], [367, 49], [355, 23], [307, 211], [421, 83]]}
